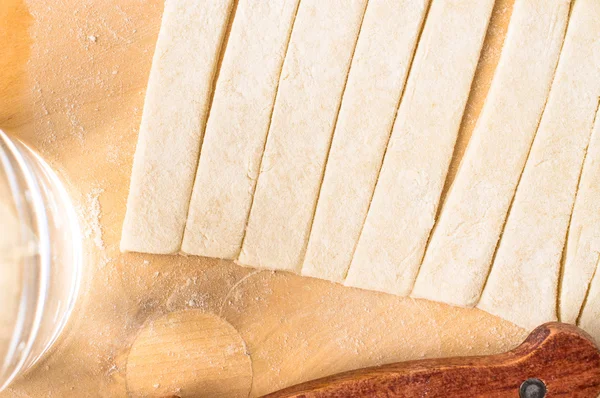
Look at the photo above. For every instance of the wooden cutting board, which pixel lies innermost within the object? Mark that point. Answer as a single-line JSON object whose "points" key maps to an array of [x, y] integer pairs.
{"points": [[72, 82]]}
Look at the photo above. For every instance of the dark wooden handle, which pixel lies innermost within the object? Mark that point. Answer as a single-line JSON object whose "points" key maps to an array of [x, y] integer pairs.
{"points": [[556, 360]]}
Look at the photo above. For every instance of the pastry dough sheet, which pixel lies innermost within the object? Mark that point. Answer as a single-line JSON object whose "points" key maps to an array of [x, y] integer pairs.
{"points": [[330, 128]]}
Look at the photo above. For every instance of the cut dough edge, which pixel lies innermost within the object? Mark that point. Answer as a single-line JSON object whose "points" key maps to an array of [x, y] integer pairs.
{"points": [[353, 164], [170, 138], [457, 261], [293, 163], [404, 203], [237, 128], [589, 319], [582, 251], [523, 284]]}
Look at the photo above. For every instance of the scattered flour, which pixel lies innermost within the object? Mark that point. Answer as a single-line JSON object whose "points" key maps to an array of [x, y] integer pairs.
{"points": [[112, 153], [91, 214], [93, 217]]}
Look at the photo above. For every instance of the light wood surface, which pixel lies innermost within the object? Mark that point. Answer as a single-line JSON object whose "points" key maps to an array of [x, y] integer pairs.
{"points": [[188, 353], [72, 82]]}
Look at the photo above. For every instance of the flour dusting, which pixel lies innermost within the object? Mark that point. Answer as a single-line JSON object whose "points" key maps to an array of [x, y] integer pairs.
{"points": [[94, 216], [91, 215]]}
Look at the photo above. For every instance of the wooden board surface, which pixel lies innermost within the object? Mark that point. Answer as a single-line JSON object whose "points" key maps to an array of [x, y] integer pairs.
{"points": [[72, 82]]}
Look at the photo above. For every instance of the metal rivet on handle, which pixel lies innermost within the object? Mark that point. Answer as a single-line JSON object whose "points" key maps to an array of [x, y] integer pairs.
{"points": [[532, 388]]}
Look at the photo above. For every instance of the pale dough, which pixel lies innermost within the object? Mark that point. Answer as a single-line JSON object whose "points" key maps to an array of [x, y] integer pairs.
{"points": [[379, 68], [583, 243], [458, 257], [404, 204], [590, 313], [237, 128], [523, 283], [313, 78], [175, 112]]}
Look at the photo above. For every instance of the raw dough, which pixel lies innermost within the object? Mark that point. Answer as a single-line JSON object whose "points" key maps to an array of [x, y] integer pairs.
{"points": [[522, 286], [379, 68], [583, 243], [237, 127], [404, 205], [458, 258], [310, 91], [175, 112], [590, 313]]}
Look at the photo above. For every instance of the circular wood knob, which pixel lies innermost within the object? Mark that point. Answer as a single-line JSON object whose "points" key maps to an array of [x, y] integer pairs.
{"points": [[188, 354]]}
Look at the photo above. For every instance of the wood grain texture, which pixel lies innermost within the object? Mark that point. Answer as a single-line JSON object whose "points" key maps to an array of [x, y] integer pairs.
{"points": [[15, 42], [191, 354], [562, 356]]}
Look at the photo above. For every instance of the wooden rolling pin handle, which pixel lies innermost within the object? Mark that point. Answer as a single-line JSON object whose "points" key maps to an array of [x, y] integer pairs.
{"points": [[556, 360]]}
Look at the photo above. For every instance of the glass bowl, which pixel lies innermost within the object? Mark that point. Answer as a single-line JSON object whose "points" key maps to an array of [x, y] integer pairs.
{"points": [[40, 258]]}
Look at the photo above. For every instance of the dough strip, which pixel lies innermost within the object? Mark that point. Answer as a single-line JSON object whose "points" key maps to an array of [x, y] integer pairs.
{"points": [[458, 258], [583, 241], [412, 176], [523, 283], [237, 127], [314, 75], [381, 62], [175, 113]]}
